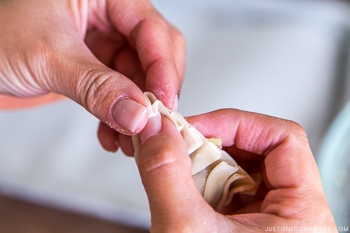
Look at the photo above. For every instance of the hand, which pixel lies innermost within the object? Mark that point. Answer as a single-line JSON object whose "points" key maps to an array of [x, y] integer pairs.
{"points": [[102, 54], [291, 194]]}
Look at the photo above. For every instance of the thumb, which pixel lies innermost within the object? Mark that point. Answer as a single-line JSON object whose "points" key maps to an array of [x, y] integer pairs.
{"points": [[165, 170], [107, 94]]}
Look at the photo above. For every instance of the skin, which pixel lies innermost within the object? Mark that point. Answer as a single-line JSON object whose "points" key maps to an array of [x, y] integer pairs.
{"points": [[95, 52], [291, 194]]}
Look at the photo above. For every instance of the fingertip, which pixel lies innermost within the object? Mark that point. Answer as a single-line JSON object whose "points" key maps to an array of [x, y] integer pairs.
{"points": [[153, 127], [126, 145], [175, 106], [107, 137], [130, 115]]}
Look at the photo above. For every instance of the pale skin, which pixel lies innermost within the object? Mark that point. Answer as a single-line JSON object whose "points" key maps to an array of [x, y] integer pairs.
{"points": [[98, 53], [291, 194]]}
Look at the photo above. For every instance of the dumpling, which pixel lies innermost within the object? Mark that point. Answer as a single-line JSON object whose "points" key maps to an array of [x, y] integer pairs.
{"points": [[216, 174]]}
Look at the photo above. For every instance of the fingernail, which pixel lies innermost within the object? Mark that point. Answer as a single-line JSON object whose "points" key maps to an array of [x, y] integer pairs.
{"points": [[176, 103], [153, 127], [130, 115]]}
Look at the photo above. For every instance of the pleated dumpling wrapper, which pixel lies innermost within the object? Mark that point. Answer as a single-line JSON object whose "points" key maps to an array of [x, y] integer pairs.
{"points": [[216, 174]]}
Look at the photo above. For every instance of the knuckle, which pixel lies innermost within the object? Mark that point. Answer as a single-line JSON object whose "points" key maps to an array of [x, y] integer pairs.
{"points": [[179, 38], [157, 159], [93, 88], [296, 128], [157, 18], [296, 134]]}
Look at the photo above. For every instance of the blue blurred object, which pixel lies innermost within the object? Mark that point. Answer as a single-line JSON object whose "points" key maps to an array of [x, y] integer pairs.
{"points": [[334, 165]]}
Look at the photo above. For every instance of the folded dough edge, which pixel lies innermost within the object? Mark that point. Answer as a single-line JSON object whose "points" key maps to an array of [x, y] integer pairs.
{"points": [[216, 174]]}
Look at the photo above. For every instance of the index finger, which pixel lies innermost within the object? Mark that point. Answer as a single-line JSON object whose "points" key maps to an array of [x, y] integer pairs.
{"points": [[160, 47], [289, 161]]}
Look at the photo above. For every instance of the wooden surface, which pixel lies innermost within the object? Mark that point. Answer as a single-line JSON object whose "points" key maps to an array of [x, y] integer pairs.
{"points": [[18, 216]]}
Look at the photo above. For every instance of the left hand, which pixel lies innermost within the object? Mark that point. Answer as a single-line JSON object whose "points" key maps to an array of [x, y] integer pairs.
{"points": [[96, 53]]}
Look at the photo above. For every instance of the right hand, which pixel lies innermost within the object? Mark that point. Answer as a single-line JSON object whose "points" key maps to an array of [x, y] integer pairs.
{"points": [[291, 194]]}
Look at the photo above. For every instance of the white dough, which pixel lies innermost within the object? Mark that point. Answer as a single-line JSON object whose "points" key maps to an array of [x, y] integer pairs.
{"points": [[216, 174]]}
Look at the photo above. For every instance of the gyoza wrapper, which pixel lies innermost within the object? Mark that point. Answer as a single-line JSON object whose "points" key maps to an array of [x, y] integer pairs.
{"points": [[216, 174]]}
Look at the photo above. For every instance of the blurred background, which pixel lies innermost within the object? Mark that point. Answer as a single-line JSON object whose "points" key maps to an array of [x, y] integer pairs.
{"points": [[286, 58]]}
